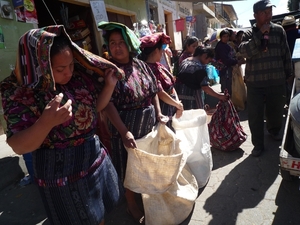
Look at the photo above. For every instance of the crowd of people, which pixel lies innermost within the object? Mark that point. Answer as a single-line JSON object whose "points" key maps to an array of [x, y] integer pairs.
{"points": [[79, 177]]}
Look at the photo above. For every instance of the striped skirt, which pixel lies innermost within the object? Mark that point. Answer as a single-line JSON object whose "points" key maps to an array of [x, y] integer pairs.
{"points": [[190, 98], [78, 184], [139, 122]]}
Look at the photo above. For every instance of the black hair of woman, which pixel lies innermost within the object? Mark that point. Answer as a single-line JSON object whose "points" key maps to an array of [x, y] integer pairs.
{"points": [[60, 43], [223, 32], [239, 33], [147, 51], [200, 51], [189, 41]]}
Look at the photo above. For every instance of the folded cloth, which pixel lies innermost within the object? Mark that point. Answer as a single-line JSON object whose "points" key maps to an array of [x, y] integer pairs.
{"points": [[33, 69], [129, 36]]}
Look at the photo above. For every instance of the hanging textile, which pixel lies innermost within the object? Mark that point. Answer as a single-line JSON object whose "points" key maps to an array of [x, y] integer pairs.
{"points": [[179, 25]]}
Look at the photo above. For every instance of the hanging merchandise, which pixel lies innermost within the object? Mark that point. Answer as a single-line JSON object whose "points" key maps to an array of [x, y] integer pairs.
{"points": [[1, 39], [17, 3], [6, 10], [179, 25], [26, 12]]}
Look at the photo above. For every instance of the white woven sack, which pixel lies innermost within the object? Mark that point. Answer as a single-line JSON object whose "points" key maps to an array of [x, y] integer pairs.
{"points": [[156, 163], [191, 128], [173, 206]]}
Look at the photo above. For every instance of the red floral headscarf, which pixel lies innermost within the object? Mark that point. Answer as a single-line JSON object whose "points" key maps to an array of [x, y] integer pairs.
{"points": [[151, 40]]}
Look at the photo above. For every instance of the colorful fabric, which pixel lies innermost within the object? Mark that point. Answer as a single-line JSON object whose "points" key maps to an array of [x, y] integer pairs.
{"points": [[32, 67], [225, 130], [132, 98], [151, 40], [129, 36], [166, 82], [137, 89], [183, 56], [191, 77], [71, 187], [67, 155]]}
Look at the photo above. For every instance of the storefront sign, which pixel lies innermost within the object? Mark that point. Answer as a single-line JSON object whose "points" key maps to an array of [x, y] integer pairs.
{"points": [[99, 11]]}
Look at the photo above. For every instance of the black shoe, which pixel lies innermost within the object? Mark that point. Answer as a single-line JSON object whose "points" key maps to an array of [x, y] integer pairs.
{"points": [[256, 151]]}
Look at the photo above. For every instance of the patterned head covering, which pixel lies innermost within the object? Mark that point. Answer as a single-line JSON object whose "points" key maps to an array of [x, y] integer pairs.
{"points": [[129, 36], [33, 66], [151, 40]]}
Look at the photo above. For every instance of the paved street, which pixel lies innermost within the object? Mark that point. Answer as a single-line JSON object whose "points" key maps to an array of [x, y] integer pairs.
{"points": [[242, 190]]}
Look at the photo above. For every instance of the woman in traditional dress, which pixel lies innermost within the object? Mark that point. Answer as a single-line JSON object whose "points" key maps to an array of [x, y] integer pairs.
{"points": [[192, 79], [51, 103], [152, 49], [134, 107], [189, 46]]}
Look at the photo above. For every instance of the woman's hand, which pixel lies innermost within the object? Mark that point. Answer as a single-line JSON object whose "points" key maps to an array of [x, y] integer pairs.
{"points": [[110, 78], [56, 114], [179, 106], [178, 113], [223, 97], [128, 140], [162, 118]]}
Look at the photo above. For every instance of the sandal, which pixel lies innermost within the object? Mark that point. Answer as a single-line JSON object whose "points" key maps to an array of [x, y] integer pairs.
{"points": [[137, 220]]}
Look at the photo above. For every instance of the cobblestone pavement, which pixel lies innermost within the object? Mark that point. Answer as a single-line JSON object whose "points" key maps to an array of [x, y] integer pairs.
{"points": [[242, 190]]}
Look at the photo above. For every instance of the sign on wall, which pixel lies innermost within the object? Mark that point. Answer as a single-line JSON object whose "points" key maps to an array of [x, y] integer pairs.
{"points": [[99, 11]]}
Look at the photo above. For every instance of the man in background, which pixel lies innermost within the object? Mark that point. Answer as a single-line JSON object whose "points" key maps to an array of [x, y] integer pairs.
{"points": [[268, 66]]}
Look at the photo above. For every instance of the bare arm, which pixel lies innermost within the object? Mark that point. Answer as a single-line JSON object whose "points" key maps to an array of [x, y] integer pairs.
{"points": [[208, 90], [169, 100], [161, 118], [105, 94], [113, 115], [31, 139]]}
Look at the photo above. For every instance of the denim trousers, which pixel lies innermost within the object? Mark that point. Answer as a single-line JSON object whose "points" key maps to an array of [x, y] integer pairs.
{"points": [[265, 104]]}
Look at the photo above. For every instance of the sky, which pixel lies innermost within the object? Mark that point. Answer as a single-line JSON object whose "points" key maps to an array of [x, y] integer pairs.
{"points": [[244, 10]]}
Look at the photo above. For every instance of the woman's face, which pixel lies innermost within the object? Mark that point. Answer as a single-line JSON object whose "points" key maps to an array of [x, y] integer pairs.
{"points": [[225, 38], [191, 48], [233, 36], [204, 59], [118, 48], [62, 65]]}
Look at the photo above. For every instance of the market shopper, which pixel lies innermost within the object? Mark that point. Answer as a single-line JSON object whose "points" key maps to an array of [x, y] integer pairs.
{"points": [[268, 66], [189, 46], [134, 107], [225, 54], [152, 49], [50, 104], [291, 30], [192, 80]]}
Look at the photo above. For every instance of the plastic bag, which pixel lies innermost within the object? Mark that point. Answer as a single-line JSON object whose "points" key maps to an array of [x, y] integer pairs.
{"points": [[212, 74], [191, 128]]}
